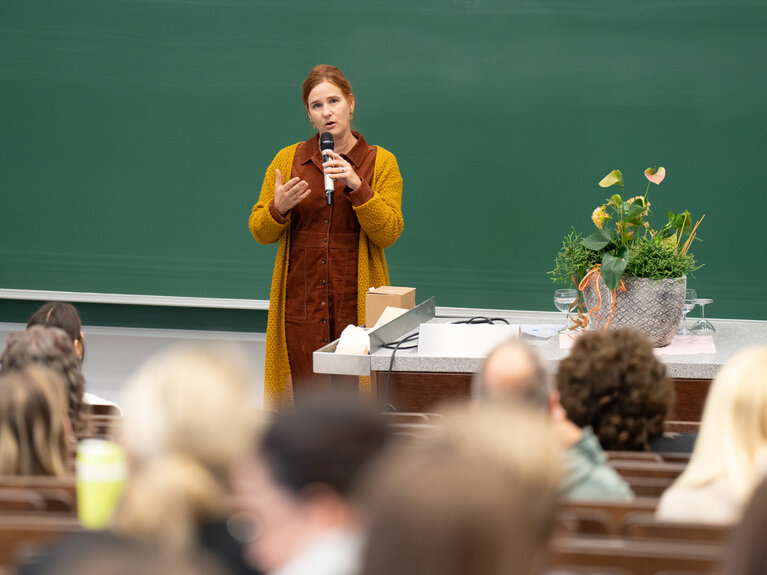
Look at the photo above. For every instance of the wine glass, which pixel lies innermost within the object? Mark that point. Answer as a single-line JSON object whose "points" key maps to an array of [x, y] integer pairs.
{"points": [[703, 326], [690, 299], [564, 300]]}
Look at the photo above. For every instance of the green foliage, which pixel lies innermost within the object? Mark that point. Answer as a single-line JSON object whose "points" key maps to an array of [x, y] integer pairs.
{"points": [[599, 239], [657, 261], [613, 266], [573, 260]]}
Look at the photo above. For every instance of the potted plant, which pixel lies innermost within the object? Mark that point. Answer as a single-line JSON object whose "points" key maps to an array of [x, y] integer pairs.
{"points": [[629, 273]]}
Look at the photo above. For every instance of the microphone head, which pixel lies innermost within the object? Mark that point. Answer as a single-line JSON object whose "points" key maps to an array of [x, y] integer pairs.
{"points": [[326, 141]]}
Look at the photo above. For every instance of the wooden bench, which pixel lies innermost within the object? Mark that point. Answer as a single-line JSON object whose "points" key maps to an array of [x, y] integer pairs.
{"points": [[580, 570], [397, 417], [101, 427], [635, 556], [38, 493], [21, 534], [633, 520], [676, 457], [660, 470], [648, 456], [601, 517], [645, 526], [648, 478]]}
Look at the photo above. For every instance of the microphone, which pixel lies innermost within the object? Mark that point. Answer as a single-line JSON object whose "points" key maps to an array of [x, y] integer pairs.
{"points": [[326, 143]]}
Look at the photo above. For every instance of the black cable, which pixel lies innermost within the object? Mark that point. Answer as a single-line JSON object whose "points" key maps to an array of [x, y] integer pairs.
{"points": [[482, 319], [395, 346]]}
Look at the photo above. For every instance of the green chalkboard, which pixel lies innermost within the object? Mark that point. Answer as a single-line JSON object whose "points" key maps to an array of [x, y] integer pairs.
{"points": [[134, 135]]}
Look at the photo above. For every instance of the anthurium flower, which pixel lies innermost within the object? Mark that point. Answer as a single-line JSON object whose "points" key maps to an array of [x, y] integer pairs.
{"points": [[614, 177], [655, 175]]}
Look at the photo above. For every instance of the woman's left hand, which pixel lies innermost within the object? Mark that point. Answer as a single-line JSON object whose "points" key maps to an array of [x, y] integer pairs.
{"points": [[341, 171]]}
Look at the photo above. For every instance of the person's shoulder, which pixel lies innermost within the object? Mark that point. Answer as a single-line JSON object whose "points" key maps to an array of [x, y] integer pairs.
{"points": [[711, 503], [382, 154], [386, 164], [588, 475], [286, 154], [288, 150]]}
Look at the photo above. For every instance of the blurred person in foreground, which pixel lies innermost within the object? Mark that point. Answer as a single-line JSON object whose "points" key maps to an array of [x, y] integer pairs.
{"points": [[513, 373], [747, 550], [730, 456], [104, 553], [189, 416], [467, 500], [612, 382], [52, 348], [300, 485], [34, 428]]}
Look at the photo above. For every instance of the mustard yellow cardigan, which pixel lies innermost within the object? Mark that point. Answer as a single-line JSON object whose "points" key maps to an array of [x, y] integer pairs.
{"points": [[381, 224]]}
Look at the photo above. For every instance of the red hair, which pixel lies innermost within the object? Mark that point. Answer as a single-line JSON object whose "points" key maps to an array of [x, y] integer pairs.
{"points": [[327, 73]]}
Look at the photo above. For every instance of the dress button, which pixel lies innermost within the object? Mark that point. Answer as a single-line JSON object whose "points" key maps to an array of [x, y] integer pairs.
{"points": [[324, 339], [327, 221], [322, 282], [324, 320], [323, 262], [323, 302], [325, 239]]}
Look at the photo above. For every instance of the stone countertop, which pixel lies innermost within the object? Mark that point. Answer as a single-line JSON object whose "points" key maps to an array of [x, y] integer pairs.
{"points": [[730, 337]]}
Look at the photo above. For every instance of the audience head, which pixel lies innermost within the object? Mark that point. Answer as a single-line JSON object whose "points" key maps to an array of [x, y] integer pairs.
{"points": [[189, 416], [65, 317], [513, 371], [470, 499], [33, 423], [52, 348], [612, 381], [732, 442], [307, 466], [194, 401]]}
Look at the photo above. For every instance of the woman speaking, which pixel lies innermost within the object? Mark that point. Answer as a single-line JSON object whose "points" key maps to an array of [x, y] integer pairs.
{"points": [[329, 254]]}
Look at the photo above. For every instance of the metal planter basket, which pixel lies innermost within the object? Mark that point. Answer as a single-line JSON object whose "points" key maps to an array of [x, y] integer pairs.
{"points": [[653, 307]]}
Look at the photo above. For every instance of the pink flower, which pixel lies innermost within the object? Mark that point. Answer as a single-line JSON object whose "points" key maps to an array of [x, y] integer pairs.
{"points": [[655, 175]]}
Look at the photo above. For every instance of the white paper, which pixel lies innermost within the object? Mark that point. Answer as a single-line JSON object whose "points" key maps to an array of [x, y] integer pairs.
{"points": [[543, 331], [463, 340], [389, 314], [354, 340]]}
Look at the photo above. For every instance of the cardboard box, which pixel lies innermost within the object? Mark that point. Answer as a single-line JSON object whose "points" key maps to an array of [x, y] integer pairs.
{"points": [[377, 300]]}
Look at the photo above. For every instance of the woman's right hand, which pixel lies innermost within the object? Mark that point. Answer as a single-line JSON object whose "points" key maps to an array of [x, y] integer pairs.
{"points": [[289, 194]]}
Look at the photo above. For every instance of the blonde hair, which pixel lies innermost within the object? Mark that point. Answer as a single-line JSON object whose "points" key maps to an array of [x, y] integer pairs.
{"points": [[732, 442], [166, 501], [189, 415], [521, 444], [50, 347], [33, 437], [479, 496]]}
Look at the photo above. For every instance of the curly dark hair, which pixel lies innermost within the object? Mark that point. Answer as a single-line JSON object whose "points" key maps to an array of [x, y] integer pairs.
{"points": [[613, 382]]}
